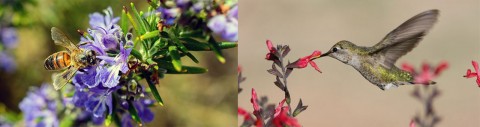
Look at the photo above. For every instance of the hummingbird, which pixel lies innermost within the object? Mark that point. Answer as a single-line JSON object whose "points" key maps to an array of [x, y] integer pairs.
{"points": [[377, 63]]}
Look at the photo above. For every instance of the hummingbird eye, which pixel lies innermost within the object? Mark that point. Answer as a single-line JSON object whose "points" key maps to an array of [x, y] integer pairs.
{"points": [[334, 49]]}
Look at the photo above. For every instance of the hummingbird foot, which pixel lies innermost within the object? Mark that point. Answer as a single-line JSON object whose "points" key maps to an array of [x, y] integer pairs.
{"points": [[429, 83]]}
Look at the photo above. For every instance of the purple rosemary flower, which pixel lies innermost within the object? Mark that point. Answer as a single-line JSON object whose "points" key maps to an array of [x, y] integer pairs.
{"points": [[127, 120], [145, 114], [86, 77], [233, 12], [9, 37], [95, 85], [105, 23], [80, 96], [225, 27], [104, 36], [106, 33], [217, 23], [7, 63], [169, 14], [40, 107], [182, 3], [197, 7], [109, 76], [141, 106], [98, 104]]}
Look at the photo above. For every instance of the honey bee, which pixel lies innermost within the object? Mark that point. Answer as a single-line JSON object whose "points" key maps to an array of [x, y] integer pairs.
{"points": [[70, 61]]}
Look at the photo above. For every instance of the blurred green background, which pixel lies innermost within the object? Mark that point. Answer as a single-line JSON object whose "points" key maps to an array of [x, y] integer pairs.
{"points": [[340, 96], [208, 99]]}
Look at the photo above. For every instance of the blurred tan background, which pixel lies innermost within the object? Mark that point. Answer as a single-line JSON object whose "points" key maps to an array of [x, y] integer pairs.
{"points": [[206, 100], [340, 96]]}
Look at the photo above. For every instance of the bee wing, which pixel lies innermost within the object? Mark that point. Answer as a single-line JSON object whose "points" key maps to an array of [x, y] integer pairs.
{"points": [[62, 79], [61, 39]]}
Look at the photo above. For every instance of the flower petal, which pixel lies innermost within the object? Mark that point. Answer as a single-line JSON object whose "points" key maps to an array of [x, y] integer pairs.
{"points": [[230, 33], [79, 97], [96, 20], [270, 45], [441, 67], [110, 41], [302, 63], [409, 68], [475, 66], [470, 74], [412, 123], [254, 101], [244, 113], [217, 23], [314, 65], [279, 107], [315, 54], [478, 81], [127, 120], [9, 37], [425, 68]]}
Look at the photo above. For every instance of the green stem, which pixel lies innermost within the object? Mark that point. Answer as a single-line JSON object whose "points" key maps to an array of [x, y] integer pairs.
{"points": [[134, 113], [287, 93], [154, 90]]}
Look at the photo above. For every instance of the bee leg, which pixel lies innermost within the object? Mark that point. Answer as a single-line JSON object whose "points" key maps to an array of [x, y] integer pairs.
{"points": [[84, 43]]}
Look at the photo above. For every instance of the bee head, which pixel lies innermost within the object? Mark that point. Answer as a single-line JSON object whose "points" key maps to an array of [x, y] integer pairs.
{"points": [[88, 57], [91, 58]]}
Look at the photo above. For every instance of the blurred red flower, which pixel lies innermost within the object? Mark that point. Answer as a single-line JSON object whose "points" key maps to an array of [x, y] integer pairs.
{"points": [[244, 113], [283, 119], [427, 73], [279, 108], [412, 123], [471, 74]]}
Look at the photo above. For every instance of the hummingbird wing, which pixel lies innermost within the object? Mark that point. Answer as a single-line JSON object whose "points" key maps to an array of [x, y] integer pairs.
{"points": [[404, 38]]}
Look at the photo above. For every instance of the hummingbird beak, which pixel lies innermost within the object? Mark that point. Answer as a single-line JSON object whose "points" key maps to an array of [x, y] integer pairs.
{"points": [[326, 54]]}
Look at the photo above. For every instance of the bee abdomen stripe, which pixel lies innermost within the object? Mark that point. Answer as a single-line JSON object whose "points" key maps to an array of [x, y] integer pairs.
{"points": [[60, 61], [65, 58], [48, 63], [55, 62]]}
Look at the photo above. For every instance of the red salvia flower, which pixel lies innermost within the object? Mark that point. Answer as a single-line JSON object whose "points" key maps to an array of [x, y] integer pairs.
{"points": [[272, 51], [256, 109], [254, 101], [412, 123], [304, 61], [284, 120], [471, 74], [409, 68], [427, 74], [244, 113], [279, 108]]}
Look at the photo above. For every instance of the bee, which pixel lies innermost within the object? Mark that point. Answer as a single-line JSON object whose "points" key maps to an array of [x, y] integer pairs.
{"points": [[70, 61]]}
